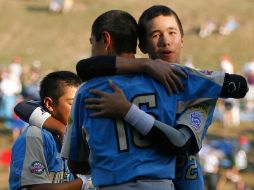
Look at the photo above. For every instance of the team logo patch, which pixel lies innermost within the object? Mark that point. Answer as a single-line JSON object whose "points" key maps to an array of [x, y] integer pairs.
{"points": [[195, 120], [206, 72], [37, 168]]}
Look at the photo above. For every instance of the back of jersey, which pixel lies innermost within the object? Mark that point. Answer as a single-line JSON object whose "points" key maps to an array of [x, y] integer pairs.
{"points": [[118, 153]]}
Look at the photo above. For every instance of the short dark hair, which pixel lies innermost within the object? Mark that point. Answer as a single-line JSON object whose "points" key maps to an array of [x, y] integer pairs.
{"points": [[53, 84], [151, 13], [121, 26]]}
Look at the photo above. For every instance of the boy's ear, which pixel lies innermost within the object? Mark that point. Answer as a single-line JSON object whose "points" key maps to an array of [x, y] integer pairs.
{"points": [[182, 42], [49, 104], [107, 41]]}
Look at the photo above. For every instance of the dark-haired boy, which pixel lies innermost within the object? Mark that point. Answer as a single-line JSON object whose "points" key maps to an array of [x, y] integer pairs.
{"points": [[36, 163]]}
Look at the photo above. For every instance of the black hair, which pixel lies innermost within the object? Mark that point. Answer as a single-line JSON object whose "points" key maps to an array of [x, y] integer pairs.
{"points": [[121, 26], [151, 13], [53, 84]]}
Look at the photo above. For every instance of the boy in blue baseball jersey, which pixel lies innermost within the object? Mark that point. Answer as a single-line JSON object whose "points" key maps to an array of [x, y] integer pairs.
{"points": [[36, 162]]}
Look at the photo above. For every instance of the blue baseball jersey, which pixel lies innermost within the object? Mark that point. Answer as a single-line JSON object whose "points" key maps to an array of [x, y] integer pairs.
{"points": [[36, 160], [118, 153], [189, 174]]}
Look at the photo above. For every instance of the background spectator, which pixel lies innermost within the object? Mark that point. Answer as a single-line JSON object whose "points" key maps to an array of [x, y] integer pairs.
{"points": [[249, 73], [55, 6], [210, 159], [207, 29], [230, 25], [231, 107], [10, 88], [31, 80], [67, 5]]}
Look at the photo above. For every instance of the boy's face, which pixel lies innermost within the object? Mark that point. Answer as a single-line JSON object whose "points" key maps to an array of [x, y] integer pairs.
{"points": [[62, 108], [164, 40]]}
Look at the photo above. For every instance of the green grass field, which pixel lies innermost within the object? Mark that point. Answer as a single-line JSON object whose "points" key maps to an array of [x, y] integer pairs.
{"points": [[59, 40]]}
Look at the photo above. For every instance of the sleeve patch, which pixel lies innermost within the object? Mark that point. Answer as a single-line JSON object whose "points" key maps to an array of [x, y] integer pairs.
{"points": [[206, 72], [196, 120], [37, 168]]}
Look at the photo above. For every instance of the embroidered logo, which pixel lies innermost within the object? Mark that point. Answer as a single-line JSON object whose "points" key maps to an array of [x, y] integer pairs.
{"points": [[206, 72], [195, 120], [37, 168]]}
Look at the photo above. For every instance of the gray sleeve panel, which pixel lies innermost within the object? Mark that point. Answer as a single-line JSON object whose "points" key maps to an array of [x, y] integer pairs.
{"points": [[197, 119], [35, 170], [178, 137]]}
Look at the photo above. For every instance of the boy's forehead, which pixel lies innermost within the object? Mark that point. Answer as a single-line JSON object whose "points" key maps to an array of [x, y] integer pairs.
{"points": [[70, 87], [69, 90], [161, 22]]}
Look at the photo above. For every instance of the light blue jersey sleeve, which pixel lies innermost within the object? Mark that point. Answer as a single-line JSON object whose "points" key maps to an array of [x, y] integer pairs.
{"points": [[36, 160], [197, 103], [198, 118], [199, 87]]}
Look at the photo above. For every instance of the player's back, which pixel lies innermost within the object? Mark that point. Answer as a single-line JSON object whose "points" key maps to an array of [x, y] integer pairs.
{"points": [[118, 153]]}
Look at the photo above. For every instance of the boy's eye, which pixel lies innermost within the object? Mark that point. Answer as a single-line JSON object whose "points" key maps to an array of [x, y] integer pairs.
{"points": [[155, 35]]}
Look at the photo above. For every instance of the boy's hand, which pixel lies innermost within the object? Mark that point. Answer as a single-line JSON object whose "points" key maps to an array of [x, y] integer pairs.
{"points": [[167, 74], [108, 104]]}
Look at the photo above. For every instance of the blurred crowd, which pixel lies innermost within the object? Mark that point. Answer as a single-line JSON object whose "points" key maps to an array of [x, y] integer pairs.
{"points": [[209, 27], [60, 6], [17, 82], [223, 160]]}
